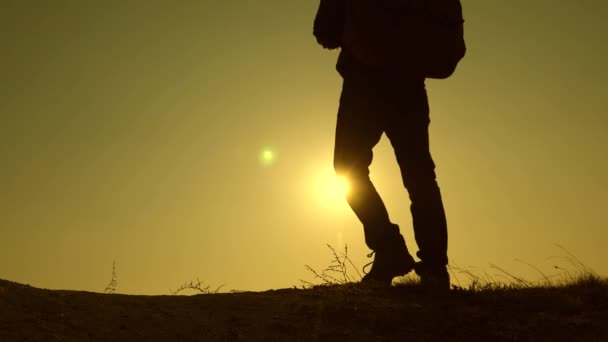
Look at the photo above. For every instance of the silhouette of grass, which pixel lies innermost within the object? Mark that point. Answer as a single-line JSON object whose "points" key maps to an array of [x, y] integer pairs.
{"points": [[577, 274], [198, 286], [568, 303], [338, 272], [111, 287], [342, 271]]}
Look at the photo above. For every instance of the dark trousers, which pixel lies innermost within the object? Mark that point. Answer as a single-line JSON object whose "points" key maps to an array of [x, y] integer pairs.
{"points": [[400, 109]]}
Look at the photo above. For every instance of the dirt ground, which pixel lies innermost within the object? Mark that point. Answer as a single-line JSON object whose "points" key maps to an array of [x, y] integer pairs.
{"points": [[329, 313]]}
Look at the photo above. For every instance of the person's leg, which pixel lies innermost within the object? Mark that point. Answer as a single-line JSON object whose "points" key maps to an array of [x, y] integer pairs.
{"points": [[358, 130], [408, 133]]}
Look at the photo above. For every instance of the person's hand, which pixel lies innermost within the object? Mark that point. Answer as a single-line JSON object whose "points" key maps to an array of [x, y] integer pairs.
{"points": [[329, 24]]}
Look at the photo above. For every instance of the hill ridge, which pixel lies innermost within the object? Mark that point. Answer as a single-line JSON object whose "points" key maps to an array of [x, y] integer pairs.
{"points": [[576, 312]]}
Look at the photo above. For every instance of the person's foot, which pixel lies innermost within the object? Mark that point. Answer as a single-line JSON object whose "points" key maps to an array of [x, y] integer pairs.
{"points": [[434, 279], [389, 263]]}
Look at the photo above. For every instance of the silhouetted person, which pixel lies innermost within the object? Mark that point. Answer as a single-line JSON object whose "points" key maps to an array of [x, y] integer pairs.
{"points": [[373, 102]]}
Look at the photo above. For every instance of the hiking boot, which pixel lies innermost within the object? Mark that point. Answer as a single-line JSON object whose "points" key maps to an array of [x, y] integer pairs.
{"points": [[392, 261], [434, 279]]}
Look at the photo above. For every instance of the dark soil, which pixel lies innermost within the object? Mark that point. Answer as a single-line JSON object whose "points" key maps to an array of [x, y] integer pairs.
{"points": [[578, 312]]}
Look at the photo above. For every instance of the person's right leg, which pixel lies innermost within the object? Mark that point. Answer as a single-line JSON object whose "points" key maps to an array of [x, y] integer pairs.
{"points": [[359, 128]]}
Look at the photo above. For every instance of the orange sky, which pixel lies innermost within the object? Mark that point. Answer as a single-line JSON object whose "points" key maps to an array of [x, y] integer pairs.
{"points": [[134, 133]]}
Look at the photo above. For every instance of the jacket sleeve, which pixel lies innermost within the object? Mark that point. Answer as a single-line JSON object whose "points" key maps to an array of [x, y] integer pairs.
{"points": [[329, 23]]}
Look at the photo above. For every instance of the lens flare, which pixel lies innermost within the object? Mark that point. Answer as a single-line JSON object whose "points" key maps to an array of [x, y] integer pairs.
{"points": [[267, 157]]}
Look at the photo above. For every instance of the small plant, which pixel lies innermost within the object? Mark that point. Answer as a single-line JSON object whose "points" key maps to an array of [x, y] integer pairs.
{"points": [[111, 288], [198, 286], [338, 271]]}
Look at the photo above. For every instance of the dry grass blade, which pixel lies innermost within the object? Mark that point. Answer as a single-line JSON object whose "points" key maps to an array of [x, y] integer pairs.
{"points": [[509, 275], [111, 287], [198, 286]]}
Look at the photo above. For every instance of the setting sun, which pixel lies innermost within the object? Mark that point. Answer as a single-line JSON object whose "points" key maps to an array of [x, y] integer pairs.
{"points": [[329, 190], [337, 186]]}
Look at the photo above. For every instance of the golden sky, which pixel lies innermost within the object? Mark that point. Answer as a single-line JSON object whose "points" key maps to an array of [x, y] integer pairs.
{"points": [[194, 139]]}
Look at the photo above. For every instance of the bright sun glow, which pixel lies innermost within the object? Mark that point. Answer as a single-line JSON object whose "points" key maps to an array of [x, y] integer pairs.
{"points": [[337, 187], [329, 190]]}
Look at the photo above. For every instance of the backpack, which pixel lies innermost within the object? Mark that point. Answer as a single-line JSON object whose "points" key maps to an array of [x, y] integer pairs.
{"points": [[422, 37]]}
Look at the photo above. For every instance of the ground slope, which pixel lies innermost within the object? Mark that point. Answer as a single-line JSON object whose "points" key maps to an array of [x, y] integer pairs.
{"points": [[334, 313]]}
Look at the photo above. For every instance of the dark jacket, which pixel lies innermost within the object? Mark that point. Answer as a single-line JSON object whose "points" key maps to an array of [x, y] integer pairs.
{"points": [[328, 29]]}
